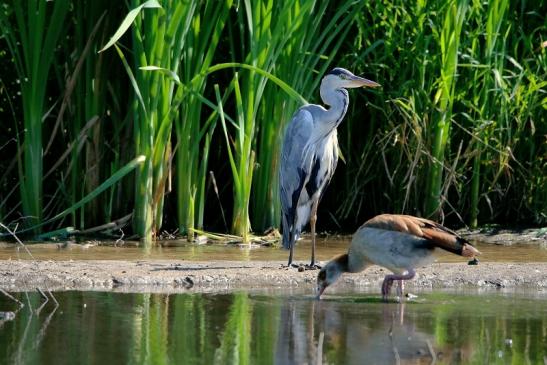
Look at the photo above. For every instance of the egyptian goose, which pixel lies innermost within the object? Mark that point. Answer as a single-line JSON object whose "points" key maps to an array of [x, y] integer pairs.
{"points": [[399, 243]]}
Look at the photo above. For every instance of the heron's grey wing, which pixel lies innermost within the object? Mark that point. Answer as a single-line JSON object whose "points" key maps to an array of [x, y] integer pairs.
{"points": [[295, 166]]}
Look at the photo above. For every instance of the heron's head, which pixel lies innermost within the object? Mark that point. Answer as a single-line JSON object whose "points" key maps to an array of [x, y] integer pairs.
{"points": [[340, 78], [330, 273]]}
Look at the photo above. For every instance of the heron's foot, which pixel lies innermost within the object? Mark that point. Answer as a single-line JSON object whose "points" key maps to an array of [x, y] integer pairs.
{"points": [[314, 266], [303, 267], [299, 267]]}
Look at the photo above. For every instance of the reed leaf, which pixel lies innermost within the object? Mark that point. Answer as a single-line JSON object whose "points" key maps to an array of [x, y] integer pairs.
{"points": [[449, 41], [32, 33]]}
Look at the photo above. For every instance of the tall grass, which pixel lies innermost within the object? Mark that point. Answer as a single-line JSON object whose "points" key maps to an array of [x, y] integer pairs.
{"points": [[158, 41], [32, 31], [193, 131], [258, 37], [458, 129], [449, 39], [314, 32], [487, 107], [482, 152], [84, 102]]}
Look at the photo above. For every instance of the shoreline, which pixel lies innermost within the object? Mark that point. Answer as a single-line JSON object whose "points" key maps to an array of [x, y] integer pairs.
{"points": [[191, 276]]}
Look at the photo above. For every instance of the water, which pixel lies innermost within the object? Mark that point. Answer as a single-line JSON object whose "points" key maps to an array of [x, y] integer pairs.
{"points": [[180, 249], [273, 327]]}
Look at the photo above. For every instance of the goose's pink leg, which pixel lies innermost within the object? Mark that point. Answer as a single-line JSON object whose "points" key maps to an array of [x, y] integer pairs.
{"points": [[388, 282], [400, 288]]}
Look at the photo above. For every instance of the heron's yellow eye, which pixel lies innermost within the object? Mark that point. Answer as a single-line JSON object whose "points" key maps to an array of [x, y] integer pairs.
{"points": [[342, 76]]}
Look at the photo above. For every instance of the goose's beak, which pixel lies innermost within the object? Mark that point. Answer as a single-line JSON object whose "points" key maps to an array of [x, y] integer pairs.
{"points": [[320, 290], [356, 81]]}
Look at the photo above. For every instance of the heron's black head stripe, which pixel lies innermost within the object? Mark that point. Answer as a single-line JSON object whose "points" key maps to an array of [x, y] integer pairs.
{"points": [[337, 71]]}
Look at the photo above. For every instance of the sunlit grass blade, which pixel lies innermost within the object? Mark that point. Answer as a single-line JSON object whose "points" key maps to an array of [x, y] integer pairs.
{"points": [[108, 183], [193, 130], [449, 40]]}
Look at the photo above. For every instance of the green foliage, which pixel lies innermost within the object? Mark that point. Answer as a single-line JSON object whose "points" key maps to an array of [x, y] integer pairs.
{"points": [[32, 32], [313, 35], [458, 129], [193, 130], [459, 116]]}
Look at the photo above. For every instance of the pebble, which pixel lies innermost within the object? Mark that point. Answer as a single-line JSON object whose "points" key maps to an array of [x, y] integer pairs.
{"points": [[475, 261], [7, 316]]}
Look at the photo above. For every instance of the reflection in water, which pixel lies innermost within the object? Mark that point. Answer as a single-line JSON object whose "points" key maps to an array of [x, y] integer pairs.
{"points": [[254, 328]]}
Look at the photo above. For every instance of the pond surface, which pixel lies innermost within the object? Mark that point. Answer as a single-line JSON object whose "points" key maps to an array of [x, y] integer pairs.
{"points": [[273, 327], [180, 249]]}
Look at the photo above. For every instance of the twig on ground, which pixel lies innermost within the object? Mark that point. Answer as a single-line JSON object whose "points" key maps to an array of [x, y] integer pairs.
{"points": [[39, 309], [21, 304], [34, 262], [42, 333]]}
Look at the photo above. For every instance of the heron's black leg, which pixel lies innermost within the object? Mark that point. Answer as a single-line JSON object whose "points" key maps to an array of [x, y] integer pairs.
{"points": [[290, 252], [313, 220]]}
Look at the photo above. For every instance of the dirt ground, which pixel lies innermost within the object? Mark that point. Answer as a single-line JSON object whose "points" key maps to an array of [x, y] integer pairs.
{"points": [[155, 275], [182, 276]]}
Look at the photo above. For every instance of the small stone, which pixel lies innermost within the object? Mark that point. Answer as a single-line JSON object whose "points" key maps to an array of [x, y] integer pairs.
{"points": [[188, 283], [301, 268], [411, 296], [201, 240], [475, 261], [7, 316]]}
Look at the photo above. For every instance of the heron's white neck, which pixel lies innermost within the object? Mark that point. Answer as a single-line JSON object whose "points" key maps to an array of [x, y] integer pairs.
{"points": [[338, 100]]}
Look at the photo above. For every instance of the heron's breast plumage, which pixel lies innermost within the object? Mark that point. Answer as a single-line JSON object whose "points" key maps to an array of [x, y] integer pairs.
{"points": [[323, 164]]}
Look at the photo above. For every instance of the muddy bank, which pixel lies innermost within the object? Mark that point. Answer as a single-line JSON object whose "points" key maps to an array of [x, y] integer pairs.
{"points": [[182, 276], [507, 237]]}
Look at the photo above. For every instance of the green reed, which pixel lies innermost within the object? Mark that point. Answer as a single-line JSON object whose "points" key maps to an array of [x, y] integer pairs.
{"points": [[312, 42], [472, 154], [449, 39], [158, 41], [489, 105], [32, 31], [193, 131], [457, 129], [86, 98]]}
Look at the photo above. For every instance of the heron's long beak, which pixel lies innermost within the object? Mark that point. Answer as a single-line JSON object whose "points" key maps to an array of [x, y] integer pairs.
{"points": [[357, 81]]}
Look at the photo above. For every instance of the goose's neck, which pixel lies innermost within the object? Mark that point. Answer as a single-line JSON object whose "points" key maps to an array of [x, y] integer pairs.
{"points": [[357, 263]]}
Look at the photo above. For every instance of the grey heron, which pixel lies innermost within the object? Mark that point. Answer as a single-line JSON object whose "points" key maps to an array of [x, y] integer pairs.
{"points": [[397, 242], [310, 154]]}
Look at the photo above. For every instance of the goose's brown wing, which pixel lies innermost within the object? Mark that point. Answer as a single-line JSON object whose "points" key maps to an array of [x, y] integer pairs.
{"points": [[435, 233]]}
